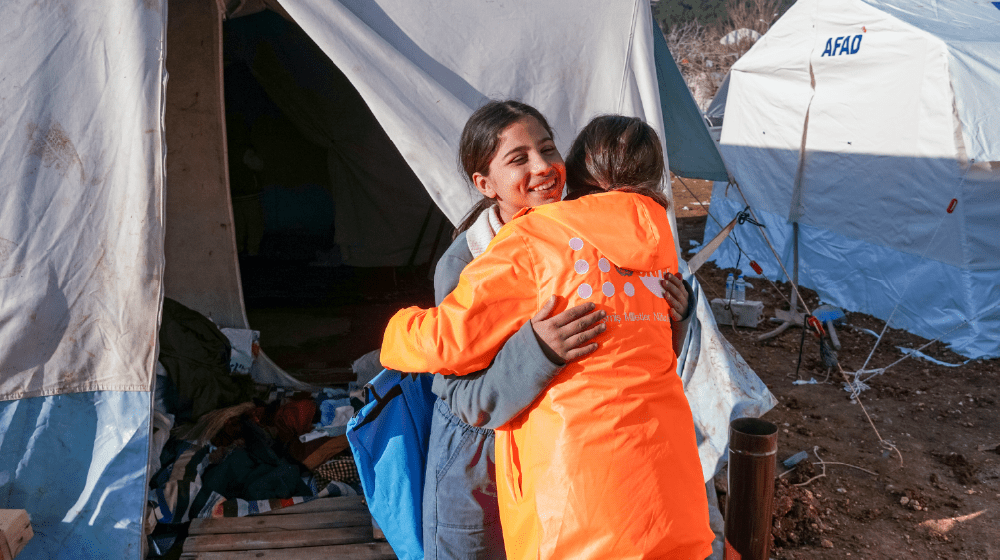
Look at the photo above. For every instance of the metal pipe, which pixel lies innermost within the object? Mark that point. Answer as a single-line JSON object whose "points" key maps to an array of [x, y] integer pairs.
{"points": [[753, 445]]}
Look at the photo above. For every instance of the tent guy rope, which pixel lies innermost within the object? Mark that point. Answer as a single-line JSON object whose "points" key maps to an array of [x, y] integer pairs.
{"points": [[735, 242], [855, 394]]}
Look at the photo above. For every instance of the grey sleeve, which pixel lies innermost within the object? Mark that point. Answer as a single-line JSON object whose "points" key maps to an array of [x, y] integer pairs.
{"points": [[447, 272], [520, 372], [492, 397]]}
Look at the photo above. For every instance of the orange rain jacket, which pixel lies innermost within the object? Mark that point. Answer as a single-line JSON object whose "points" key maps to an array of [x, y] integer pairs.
{"points": [[605, 463]]}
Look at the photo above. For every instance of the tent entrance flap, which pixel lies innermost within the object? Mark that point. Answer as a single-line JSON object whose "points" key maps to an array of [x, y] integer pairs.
{"points": [[326, 211], [287, 167], [305, 145]]}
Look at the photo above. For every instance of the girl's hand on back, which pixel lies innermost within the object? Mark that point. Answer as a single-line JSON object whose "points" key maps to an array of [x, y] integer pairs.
{"points": [[564, 337], [676, 295]]}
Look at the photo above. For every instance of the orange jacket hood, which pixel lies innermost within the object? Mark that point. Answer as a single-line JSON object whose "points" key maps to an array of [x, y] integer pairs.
{"points": [[639, 223]]}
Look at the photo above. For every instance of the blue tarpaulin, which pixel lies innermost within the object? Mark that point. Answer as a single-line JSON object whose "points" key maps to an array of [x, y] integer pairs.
{"points": [[77, 464]]}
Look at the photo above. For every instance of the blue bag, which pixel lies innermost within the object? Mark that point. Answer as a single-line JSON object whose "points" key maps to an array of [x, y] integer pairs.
{"points": [[388, 437]]}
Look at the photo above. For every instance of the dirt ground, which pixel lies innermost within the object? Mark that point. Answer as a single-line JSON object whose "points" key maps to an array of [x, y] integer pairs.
{"points": [[912, 467], [909, 470]]}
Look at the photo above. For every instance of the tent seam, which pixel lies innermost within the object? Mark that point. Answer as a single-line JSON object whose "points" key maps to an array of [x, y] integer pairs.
{"points": [[628, 56]]}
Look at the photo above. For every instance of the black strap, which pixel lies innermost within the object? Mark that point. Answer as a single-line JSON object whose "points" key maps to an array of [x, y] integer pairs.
{"points": [[381, 401]]}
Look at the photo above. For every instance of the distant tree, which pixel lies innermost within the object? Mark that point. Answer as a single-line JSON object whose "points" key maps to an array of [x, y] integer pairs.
{"points": [[669, 13], [694, 29]]}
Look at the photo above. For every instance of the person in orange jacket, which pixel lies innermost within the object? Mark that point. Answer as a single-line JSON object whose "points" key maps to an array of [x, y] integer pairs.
{"points": [[507, 151], [604, 464]]}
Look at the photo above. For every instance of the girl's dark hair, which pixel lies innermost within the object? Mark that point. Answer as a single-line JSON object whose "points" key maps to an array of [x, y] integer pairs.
{"points": [[616, 153], [480, 140]]}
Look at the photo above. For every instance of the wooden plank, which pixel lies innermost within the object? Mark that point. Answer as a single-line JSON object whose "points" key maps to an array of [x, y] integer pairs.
{"points": [[15, 524], [278, 539], [265, 523], [323, 504], [360, 551]]}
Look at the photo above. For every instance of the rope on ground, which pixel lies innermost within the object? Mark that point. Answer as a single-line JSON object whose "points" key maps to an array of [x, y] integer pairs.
{"points": [[879, 371], [846, 465], [856, 397], [821, 464]]}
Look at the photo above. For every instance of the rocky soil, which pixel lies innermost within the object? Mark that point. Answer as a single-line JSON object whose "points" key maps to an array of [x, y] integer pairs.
{"points": [[909, 468]]}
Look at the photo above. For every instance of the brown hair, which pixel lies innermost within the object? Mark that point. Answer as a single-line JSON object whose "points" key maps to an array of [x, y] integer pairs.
{"points": [[616, 153], [480, 140]]}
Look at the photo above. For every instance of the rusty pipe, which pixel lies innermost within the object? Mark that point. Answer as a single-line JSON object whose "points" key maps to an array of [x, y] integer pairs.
{"points": [[753, 445]]}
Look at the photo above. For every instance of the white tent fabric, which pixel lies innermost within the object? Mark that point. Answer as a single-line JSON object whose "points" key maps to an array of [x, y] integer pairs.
{"points": [[969, 32], [423, 72], [77, 463], [82, 223], [863, 121]]}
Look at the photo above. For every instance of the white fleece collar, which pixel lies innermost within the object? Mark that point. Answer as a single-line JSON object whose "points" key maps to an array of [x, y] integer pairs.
{"points": [[483, 230]]}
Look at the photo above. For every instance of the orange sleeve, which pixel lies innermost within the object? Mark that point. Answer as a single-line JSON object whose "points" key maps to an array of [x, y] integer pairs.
{"points": [[496, 293]]}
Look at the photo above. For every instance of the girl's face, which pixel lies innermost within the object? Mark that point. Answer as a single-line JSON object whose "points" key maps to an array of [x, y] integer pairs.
{"points": [[526, 171]]}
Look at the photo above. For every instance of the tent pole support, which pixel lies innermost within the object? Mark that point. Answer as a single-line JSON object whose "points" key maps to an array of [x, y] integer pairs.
{"points": [[791, 318]]}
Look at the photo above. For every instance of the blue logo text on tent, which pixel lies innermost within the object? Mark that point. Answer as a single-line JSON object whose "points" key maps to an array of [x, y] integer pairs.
{"points": [[842, 45]]}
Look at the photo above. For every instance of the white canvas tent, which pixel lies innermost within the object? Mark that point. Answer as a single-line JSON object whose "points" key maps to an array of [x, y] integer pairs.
{"points": [[115, 195], [874, 125]]}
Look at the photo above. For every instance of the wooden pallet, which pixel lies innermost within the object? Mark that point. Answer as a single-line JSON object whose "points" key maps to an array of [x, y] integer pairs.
{"points": [[323, 528]]}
